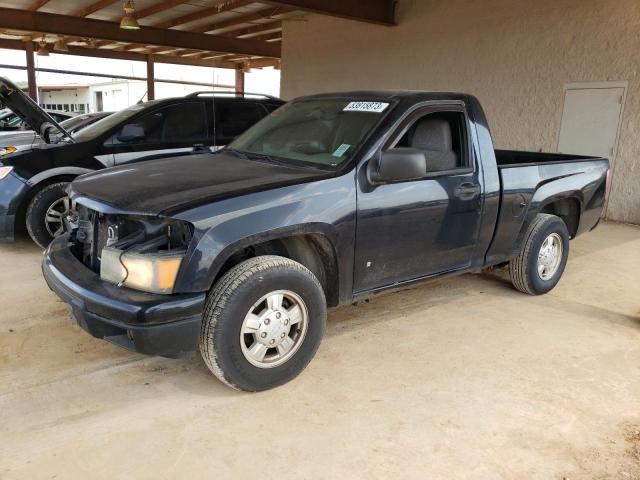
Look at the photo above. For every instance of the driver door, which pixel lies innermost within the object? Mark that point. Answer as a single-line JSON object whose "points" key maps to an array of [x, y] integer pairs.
{"points": [[412, 229]]}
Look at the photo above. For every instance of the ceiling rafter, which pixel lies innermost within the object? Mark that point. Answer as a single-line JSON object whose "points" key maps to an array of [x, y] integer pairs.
{"points": [[38, 4], [122, 55], [158, 7], [49, 23], [200, 14], [372, 11], [249, 18], [94, 7], [269, 37], [256, 30]]}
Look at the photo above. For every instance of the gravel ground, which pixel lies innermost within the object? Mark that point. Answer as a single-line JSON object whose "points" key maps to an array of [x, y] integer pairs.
{"points": [[464, 378]]}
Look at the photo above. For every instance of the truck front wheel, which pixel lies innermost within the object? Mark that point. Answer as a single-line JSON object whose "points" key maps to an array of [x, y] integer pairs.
{"points": [[539, 265], [262, 323]]}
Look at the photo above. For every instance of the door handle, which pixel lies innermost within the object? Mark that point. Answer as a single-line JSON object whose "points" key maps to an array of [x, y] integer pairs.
{"points": [[467, 190]]}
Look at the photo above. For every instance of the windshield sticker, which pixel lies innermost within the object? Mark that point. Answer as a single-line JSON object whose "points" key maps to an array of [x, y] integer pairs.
{"points": [[341, 150], [372, 107]]}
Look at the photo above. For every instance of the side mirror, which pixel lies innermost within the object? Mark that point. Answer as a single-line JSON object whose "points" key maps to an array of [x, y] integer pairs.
{"points": [[131, 133], [398, 165]]}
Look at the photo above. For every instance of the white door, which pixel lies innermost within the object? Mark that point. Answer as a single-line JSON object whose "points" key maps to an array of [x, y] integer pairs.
{"points": [[591, 120]]}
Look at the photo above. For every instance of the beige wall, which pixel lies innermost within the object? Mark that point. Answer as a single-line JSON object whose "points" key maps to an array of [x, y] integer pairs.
{"points": [[515, 55]]}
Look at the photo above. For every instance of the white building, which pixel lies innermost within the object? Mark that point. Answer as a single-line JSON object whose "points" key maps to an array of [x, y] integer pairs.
{"points": [[108, 96]]}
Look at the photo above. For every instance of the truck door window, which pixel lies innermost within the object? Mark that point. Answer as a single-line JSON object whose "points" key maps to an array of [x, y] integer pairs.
{"points": [[441, 136]]}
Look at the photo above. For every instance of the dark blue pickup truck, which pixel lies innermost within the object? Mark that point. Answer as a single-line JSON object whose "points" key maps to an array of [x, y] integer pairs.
{"points": [[330, 199]]}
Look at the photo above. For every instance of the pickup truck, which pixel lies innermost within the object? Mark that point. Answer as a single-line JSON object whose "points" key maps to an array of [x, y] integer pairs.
{"points": [[329, 200]]}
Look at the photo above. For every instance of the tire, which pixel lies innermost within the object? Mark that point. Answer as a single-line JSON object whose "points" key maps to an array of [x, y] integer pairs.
{"points": [[237, 294], [524, 269], [41, 231]]}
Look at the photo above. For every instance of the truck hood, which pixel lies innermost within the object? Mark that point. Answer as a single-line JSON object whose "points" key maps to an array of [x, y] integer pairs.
{"points": [[171, 185], [12, 97]]}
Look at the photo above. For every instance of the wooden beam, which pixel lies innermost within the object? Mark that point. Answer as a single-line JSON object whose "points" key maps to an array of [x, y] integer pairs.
{"points": [[371, 11], [31, 71], [94, 7], [204, 13], [151, 82], [269, 37], [252, 17], [265, 62], [258, 29], [72, 26], [38, 4], [133, 56], [158, 7]]}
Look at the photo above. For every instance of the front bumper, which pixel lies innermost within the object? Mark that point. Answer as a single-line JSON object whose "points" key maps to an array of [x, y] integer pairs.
{"points": [[12, 192], [166, 325]]}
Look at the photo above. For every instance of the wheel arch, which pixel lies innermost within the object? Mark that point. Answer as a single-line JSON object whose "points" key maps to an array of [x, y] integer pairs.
{"points": [[568, 208], [314, 250]]}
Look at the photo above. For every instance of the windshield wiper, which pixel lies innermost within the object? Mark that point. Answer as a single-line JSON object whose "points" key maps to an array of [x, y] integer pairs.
{"points": [[237, 153]]}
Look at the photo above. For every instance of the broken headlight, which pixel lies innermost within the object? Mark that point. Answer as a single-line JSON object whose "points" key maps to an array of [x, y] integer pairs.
{"points": [[147, 258]]}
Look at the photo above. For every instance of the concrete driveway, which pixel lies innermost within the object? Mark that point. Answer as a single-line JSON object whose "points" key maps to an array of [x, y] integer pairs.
{"points": [[464, 378]]}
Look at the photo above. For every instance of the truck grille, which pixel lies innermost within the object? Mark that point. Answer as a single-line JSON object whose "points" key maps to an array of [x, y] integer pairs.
{"points": [[89, 237]]}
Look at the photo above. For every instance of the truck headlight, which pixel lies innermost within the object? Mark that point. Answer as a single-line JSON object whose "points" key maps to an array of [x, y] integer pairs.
{"points": [[4, 171], [150, 272]]}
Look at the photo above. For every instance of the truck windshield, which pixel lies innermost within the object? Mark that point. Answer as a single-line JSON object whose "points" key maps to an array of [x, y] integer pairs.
{"points": [[320, 133]]}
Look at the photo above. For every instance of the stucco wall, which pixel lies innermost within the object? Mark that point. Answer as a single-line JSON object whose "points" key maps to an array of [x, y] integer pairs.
{"points": [[515, 55]]}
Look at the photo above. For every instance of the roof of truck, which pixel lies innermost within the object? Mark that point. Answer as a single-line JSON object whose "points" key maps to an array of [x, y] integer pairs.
{"points": [[392, 95]]}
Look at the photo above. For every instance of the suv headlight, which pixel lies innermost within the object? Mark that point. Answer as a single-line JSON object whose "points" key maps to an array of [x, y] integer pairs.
{"points": [[7, 150], [151, 272]]}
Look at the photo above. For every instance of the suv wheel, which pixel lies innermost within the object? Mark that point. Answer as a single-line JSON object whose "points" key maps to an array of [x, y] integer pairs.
{"points": [[540, 264], [263, 323], [46, 213]]}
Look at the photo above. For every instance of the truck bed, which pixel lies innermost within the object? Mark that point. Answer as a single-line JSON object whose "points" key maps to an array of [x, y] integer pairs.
{"points": [[516, 158]]}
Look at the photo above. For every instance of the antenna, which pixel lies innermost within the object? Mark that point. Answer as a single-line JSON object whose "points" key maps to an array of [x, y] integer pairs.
{"points": [[213, 106]]}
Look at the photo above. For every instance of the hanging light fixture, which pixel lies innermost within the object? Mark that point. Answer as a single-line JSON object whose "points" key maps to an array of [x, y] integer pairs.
{"points": [[60, 45], [129, 21], [42, 48]]}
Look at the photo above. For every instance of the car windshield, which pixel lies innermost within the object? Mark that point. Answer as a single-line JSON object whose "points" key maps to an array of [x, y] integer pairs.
{"points": [[106, 124], [321, 133]]}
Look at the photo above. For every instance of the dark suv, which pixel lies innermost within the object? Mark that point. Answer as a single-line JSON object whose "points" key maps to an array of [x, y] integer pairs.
{"points": [[34, 178]]}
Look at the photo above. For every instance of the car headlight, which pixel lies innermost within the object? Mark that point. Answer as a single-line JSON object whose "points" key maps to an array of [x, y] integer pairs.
{"points": [[150, 272], [7, 150], [4, 171]]}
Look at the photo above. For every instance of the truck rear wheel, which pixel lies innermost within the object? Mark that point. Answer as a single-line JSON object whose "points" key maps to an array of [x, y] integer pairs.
{"points": [[539, 265], [262, 323]]}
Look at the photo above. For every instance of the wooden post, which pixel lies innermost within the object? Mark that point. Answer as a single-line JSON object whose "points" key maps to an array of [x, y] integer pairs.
{"points": [[240, 79], [31, 71], [151, 83]]}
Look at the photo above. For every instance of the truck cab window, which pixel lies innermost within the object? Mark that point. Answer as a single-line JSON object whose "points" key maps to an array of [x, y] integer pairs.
{"points": [[441, 136]]}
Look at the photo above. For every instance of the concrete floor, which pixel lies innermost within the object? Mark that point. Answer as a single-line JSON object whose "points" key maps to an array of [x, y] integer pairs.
{"points": [[464, 378]]}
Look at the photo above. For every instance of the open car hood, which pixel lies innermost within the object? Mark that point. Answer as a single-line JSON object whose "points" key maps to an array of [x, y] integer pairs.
{"points": [[12, 97]]}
